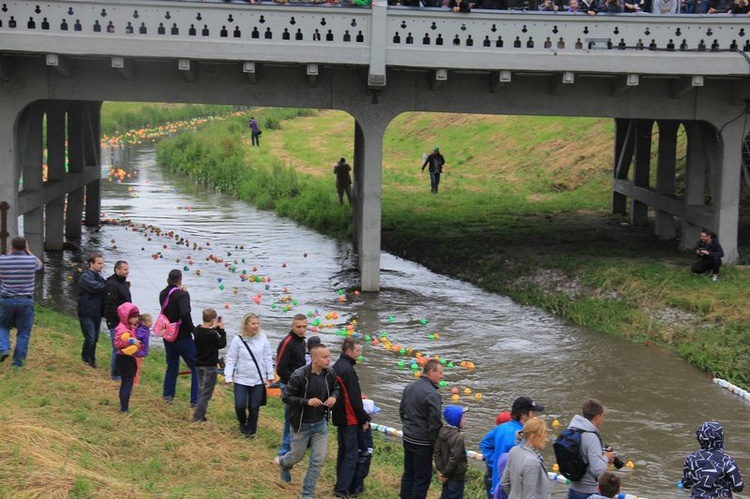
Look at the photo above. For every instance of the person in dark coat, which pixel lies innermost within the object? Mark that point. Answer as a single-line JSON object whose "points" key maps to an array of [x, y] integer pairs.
{"points": [[349, 417], [710, 253], [116, 292], [91, 286], [711, 472], [436, 161], [450, 453], [290, 356], [177, 308], [342, 170]]}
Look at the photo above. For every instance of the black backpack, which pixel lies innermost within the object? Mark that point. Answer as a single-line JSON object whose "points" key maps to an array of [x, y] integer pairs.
{"points": [[568, 454]]}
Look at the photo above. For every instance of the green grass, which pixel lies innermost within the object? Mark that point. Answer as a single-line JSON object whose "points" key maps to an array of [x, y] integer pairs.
{"points": [[523, 211], [64, 436], [123, 116]]}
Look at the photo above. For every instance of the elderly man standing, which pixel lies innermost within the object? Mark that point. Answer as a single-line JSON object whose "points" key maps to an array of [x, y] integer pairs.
{"points": [[17, 274], [420, 411]]}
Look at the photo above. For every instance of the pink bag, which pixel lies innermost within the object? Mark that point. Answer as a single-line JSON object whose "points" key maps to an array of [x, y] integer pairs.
{"points": [[162, 326]]}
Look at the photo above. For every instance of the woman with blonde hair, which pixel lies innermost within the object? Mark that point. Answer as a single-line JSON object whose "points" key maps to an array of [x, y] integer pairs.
{"points": [[249, 365], [525, 476]]}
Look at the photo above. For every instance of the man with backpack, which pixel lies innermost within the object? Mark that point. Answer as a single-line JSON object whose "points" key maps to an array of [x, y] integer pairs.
{"points": [[579, 451]]}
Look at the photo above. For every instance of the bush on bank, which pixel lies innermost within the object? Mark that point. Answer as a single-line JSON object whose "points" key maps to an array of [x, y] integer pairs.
{"points": [[522, 214]]}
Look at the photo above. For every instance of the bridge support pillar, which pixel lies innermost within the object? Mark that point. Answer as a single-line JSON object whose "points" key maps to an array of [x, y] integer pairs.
{"points": [[368, 187], [54, 210], [30, 146], [665, 176], [642, 170], [83, 153], [623, 156], [701, 150], [727, 176]]}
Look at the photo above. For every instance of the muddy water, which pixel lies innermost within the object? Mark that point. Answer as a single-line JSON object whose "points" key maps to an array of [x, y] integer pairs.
{"points": [[655, 401]]}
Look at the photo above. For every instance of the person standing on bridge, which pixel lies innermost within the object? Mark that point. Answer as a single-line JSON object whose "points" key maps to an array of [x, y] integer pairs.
{"points": [[254, 132], [91, 290], [436, 161], [17, 273], [343, 180]]}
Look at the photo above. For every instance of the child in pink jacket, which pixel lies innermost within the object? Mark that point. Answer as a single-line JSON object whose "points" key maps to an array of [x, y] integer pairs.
{"points": [[127, 345]]}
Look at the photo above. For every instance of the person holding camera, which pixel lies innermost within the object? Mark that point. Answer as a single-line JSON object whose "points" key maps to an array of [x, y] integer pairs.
{"points": [[592, 450], [710, 253], [209, 338]]}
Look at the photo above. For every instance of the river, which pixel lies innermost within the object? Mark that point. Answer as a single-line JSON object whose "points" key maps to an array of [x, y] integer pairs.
{"points": [[654, 400]]}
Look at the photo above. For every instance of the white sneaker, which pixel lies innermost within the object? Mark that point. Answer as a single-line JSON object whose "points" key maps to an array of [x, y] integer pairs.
{"points": [[277, 460], [715, 278]]}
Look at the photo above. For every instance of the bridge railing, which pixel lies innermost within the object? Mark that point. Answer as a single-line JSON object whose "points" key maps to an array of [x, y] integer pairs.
{"points": [[380, 36]]}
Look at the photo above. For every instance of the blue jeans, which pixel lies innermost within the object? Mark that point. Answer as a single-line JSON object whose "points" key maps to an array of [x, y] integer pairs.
{"points": [[434, 181], [574, 494], [175, 350], [346, 460], [18, 312], [453, 489], [316, 436], [286, 438], [206, 383], [247, 401], [90, 327], [112, 372], [417, 476]]}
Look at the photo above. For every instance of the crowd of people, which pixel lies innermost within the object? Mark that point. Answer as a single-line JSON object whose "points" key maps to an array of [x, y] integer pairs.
{"points": [[316, 393]]}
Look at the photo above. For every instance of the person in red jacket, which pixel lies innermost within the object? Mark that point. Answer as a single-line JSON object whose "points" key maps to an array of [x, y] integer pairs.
{"points": [[349, 417]]}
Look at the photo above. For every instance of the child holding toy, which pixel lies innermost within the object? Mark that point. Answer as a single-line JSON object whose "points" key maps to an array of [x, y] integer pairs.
{"points": [[127, 345]]}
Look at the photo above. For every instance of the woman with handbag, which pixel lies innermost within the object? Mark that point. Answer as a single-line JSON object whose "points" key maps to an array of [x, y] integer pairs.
{"points": [[249, 366]]}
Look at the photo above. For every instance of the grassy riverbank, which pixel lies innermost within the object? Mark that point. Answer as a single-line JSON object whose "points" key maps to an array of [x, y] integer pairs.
{"points": [[63, 435], [122, 116], [523, 211]]}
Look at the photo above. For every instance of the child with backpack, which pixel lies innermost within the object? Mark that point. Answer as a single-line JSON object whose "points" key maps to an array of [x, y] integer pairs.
{"points": [[710, 471], [609, 486], [127, 345], [450, 453]]}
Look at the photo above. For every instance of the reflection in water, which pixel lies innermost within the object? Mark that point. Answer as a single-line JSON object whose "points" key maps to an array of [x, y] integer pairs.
{"points": [[655, 401]]}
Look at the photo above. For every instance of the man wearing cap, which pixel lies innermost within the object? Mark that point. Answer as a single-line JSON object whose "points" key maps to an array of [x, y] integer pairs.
{"points": [[436, 162], [17, 274], [591, 449], [420, 410], [502, 438], [343, 180]]}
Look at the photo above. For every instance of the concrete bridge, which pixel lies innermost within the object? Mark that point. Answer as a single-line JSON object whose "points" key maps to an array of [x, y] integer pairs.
{"points": [[60, 59]]}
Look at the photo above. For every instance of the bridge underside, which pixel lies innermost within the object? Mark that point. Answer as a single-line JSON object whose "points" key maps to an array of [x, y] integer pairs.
{"points": [[68, 92]]}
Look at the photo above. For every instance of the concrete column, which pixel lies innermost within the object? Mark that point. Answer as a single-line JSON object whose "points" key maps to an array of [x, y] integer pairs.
{"points": [[76, 161], [726, 200], [701, 150], [639, 209], [92, 154], [665, 176], [623, 157], [9, 171], [29, 140], [368, 159], [54, 210]]}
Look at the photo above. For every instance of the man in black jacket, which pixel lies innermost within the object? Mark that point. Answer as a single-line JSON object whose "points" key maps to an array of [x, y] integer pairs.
{"points": [[435, 161], [420, 410], [311, 392], [177, 300], [349, 417], [710, 253], [116, 292], [91, 306], [289, 357]]}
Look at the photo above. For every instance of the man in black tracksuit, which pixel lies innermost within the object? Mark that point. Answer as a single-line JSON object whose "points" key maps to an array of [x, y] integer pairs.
{"points": [[349, 417], [710, 253], [311, 392], [289, 357], [116, 292]]}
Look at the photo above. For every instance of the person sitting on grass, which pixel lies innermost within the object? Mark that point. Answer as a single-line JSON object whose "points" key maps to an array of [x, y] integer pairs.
{"points": [[710, 253]]}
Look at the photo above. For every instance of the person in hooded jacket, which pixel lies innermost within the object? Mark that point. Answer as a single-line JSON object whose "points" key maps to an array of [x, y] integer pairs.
{"points": [[450, 453], [711, 472], [127, 345], [591, 449], [116, 292]]}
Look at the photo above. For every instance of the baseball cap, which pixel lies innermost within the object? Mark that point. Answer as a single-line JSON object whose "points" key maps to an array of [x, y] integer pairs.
{"points": [[526, 404]]}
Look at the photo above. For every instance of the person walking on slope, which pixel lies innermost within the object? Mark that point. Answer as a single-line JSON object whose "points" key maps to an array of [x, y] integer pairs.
{"points": [[436, 161]]}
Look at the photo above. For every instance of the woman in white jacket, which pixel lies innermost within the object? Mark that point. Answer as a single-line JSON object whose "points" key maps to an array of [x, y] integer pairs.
{"points": [[249, 365]]}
